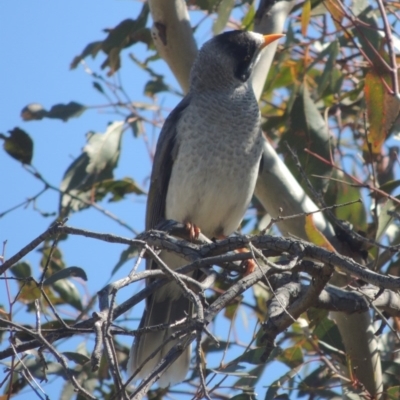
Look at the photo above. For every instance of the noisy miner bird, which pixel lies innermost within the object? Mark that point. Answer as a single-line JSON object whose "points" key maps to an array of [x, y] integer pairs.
{"points": [[204, 173]]}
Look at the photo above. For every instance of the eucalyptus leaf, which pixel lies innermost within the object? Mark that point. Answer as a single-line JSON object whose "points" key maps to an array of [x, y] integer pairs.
{"points": [[21, 270], [277, 384], [224, 11], [79, 358], [254, 376], [66, 111], [18, 145], [66, 273], [385, 217], [95, 164], [307, 130], [69, 293]]}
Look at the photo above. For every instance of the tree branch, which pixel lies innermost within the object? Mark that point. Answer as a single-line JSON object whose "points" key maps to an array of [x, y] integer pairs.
{"points": [[173, 37]]}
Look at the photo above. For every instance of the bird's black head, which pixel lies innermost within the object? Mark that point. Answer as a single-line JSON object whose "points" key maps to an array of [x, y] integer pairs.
{"points": [[228, 59], [242, 47]]}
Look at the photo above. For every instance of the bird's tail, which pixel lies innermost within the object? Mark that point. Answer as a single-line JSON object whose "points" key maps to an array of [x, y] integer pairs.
{"points": [[166, 306]]}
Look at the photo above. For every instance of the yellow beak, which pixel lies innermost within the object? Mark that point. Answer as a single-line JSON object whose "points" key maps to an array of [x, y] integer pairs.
{"points": [[271, 38]]}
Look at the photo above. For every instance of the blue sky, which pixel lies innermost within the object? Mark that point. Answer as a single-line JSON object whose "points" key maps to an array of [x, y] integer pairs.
{"points": [[38, 41]]}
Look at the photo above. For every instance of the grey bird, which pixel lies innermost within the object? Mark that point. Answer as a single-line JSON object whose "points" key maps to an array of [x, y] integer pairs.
{"points": [[204, 173]]}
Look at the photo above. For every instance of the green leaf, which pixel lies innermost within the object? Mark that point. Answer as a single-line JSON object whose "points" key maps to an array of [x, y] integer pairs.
{"points": [[35, 367], [248, 19], [56, 262], [390, 186], [285, 74], [18, 145], [66, 273], [328, 332], [224, 11], [90, 50], [276, 385], [125, 34], [250, 381], [137, 126], [94, 165], [57, 324], [66, 111], [326, 78], [262, 294], [316, 315], [260, 337], [307, 130], [231, 371], [98, 87], [367, 32], [253, 356], [21, 270], [292, 356], [69, 293], [317, 380], [385, 217], [113, 61], [154, 86], [393, 393], [78, 358], [345, 192], [209, 346], [119, 188], [28, 292], [68, 391], [230, 310]]}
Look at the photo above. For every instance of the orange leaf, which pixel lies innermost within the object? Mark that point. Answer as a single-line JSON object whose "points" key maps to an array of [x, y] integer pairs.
{"points": [[382, 110], [336, 12], [315, 236]]}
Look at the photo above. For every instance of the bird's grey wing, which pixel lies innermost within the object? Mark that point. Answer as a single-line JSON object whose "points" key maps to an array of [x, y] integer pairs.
{"points": [[162, 166], [162, 307]]}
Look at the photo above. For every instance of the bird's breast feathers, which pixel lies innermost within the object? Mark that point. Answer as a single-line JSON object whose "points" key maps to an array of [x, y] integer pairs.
{"points": [[216, 166]]}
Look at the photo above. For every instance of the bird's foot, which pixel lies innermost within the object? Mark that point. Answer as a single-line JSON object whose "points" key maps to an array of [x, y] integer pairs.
{"points": [[249, 265], [194, 230]]}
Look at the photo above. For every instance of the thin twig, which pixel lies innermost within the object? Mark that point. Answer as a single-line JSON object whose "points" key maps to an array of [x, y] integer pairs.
{"points": [[392, 55]]}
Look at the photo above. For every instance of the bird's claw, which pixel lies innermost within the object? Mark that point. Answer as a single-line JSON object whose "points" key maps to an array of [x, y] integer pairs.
{"points": [[194, 231], [249, 265]]}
